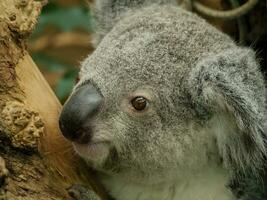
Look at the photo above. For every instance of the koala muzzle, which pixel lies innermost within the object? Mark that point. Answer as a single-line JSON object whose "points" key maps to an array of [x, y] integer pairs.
{"points": [[78, 110]]}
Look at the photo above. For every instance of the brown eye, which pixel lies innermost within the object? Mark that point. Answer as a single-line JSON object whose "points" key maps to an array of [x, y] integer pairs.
{"points": [[139, 103]]}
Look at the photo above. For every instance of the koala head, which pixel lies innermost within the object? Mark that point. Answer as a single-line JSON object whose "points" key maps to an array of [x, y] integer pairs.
{"points": [[164, 92]]}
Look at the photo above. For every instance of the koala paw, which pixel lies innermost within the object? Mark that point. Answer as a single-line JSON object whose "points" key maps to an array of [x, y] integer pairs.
{"points": [[80, 192]]}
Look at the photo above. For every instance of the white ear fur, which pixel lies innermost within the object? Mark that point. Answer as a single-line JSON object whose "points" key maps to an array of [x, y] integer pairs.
{"points": [[230, 87]]}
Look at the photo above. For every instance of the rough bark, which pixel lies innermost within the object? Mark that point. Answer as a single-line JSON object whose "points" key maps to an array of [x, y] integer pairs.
{"points": [[36, 162]]}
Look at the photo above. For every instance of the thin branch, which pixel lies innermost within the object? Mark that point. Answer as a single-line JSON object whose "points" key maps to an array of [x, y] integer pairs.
{"points": [[226, 15], [242, 29]]}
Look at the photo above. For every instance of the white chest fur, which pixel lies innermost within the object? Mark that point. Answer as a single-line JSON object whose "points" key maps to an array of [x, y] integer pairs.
{"points": [[208, 185]]}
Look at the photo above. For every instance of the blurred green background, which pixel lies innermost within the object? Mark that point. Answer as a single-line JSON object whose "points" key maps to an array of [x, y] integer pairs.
{"points": [[61, 41]]}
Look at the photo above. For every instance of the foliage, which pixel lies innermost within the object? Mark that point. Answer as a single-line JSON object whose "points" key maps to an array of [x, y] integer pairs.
{"points": [[62, 19]]}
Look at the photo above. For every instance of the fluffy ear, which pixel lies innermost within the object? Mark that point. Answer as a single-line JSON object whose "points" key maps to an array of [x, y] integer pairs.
{"points": [[107, 12], [231, 88]]}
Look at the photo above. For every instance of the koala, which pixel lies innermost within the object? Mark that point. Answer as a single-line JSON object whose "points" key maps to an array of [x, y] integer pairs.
{"points": [[168, 107]]}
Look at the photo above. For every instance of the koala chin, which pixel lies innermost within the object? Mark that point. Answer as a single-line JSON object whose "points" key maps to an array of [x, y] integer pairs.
{"points": [[168, 107]]}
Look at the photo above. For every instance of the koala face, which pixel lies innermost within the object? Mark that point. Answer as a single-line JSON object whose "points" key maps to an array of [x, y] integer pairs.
{"points": [[147, 130], [145, 104]]}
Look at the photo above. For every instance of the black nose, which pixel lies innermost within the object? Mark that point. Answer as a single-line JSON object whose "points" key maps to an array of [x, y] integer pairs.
{"points": [[78, 110]]}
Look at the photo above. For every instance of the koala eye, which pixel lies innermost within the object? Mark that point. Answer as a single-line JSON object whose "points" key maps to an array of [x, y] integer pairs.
{"points": [[139, 103]]}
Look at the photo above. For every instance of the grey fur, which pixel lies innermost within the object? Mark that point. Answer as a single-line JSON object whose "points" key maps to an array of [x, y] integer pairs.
{"points": [[221, 90], [107, 12], [207, 97], [79, 192]]}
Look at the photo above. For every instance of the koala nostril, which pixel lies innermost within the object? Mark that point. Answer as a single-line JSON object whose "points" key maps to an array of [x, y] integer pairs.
{"points": [[77, 112], [68, 132]]}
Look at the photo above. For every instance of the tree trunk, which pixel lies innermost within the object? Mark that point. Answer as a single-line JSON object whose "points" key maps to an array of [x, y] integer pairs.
{"points": [[36, 162]]}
